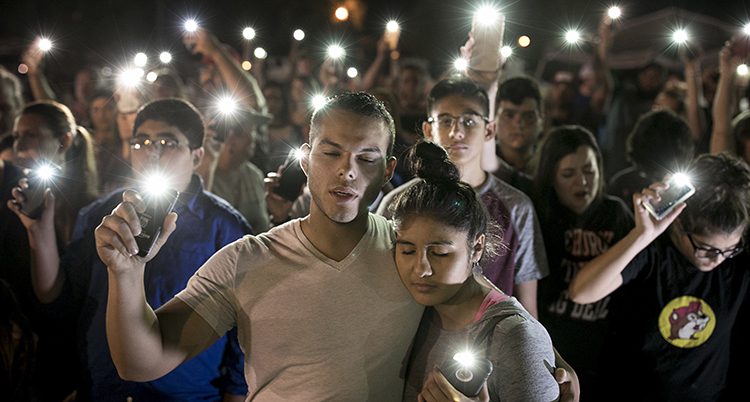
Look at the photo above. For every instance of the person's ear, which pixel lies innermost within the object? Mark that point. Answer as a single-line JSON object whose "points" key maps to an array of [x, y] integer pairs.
{"points": [[305, 159], [65, 142], [478, 248], [427, 130], [197, 156], [489, 134], [390, 169]]}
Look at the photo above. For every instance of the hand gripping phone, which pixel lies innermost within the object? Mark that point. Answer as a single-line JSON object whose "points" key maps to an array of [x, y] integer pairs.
{"points": [[158, 205], [292, 178], [467, 375], [39, 180], [679, 190]]}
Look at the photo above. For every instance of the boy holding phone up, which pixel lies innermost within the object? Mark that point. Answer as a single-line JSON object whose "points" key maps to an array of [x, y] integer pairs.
{"points": [[673, 334]]}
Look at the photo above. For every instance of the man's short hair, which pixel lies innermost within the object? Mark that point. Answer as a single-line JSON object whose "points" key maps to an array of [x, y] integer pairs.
{"points": [[459, 86], [176, 113], [516, 89], [721, 204], [360, 103], [660, 142]]}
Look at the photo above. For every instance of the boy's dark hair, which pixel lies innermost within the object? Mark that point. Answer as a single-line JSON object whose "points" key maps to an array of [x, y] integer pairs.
{"points": [[721, 203], [459, 86], [558, 143], [516, 89], [360, 103], [177, 113], [660, 142], [442, 196]]}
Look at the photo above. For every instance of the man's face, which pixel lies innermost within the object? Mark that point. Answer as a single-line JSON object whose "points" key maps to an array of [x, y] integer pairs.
{"points": [[518, 126], [458, 124], [103, 113], [274, 100], [164, 148], [346, 165]]}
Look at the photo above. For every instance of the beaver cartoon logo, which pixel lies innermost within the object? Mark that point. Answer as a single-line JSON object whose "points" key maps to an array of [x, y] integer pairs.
{"points": [[687, 322]]}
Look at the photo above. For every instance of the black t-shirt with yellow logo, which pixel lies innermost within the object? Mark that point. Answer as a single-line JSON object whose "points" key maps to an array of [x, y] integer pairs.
{"points": [[671, 333]]}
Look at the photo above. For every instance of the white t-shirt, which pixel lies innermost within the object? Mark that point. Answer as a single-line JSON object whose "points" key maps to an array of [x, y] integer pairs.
{"points": [[312, 328]]}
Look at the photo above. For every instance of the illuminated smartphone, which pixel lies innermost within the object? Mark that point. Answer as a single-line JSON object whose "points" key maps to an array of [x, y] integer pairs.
{"points": [[488, 36], [467, 378], [292, 179], [678, 191], [39, 180], [152, 219]]}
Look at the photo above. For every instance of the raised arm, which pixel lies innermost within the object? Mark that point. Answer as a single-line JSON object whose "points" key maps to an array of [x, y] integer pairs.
{"points": [[144, 344], [694, 94], [47, 279], [33, 57], [602, 275], [235, 79], [721, 134]]}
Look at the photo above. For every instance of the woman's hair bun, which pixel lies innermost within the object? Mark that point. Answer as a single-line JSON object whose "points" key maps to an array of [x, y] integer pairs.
{"points": [[430, 162]]}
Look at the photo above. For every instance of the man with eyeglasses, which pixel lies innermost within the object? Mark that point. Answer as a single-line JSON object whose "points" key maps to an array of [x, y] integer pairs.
{"points": [[682, 291], [457, 120], [167, 139]]}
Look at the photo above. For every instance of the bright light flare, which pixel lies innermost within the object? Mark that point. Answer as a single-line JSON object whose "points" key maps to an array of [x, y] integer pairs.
{"points": [[680, 179], [746, 29], [318, 101], [140, 59], [247, 65], [680, 36], [45, 172], [152, 76], [465, 359], [44, 44], [486, 15], [298, 35], [506, 51], [191, 25], [352, 72], [155, 184], [392, 26], [336, 52], [248, 33], [165, 57], [341, 13], [227, 105], [23, 68], [614, 12], [572, 36], [524, 41], [461, 64], [298, 154], [130, 77], [260, 53], [742, 70]]}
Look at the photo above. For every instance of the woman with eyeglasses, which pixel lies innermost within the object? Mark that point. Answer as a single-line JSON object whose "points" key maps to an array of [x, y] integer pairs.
{"points": [[578, 223], [685, 277]]}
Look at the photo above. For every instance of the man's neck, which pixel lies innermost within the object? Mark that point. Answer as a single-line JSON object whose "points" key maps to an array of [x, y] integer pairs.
{"points": [[516, 158], [472, 174], [335, 240]]}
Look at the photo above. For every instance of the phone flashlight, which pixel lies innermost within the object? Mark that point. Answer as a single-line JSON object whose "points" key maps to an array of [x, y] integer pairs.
{"points": [[44, 44], [248, 33], [680, 36], [190, 25], [572, 36], [39, 180], [298, 35], [679, 189], [318, 101], [460, 64], [614, 12], [335, 52], [160, 200], [467, 372], [392, 33], [227, 105], [487, 27], [746, 29]]}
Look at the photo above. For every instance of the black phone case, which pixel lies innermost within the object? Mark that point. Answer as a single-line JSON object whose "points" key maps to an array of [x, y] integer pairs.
{"points": [[34, 194], [467, 380], [291, 181], [157, 208]]}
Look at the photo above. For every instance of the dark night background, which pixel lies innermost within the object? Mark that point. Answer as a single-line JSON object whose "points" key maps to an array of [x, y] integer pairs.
{"points": [[106, 32]]}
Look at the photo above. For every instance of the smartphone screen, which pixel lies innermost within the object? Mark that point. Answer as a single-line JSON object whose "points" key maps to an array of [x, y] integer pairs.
{"points": [[676, 193]]}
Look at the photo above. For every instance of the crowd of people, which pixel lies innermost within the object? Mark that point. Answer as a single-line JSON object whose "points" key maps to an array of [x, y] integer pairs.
{"points": [[347, 250]]}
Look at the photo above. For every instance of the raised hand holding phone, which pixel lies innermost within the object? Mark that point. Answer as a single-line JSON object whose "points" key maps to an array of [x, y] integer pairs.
{"points": [[487, 27]]}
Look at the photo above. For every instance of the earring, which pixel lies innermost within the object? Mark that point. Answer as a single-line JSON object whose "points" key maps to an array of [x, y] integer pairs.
{"points": [[476, 269]]}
